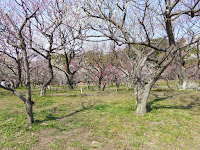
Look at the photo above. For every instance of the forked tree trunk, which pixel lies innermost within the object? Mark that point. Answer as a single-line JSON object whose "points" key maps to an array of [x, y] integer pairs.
{"points": [[142, 95]]}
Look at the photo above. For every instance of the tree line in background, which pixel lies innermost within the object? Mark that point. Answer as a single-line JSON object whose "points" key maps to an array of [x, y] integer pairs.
{"points": [[99, 42]]}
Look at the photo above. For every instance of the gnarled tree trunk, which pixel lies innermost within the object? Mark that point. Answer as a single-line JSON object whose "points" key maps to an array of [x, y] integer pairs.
{"points": [[142, 95]]}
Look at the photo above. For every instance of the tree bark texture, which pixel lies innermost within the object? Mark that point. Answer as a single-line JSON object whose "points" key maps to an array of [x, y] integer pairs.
{"points": [[29, 110], [70, 81], [43, 87], [117, 86], [142, 95], [29, 103], [19, 69], [42, 91], [99, 83]]}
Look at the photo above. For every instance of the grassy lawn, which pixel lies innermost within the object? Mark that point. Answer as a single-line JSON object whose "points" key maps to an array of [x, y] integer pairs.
{"points": [[101, 120]]}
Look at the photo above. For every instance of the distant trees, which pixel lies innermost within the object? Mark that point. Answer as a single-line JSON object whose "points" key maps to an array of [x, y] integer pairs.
{"points": [[68, 59], [69, 64], [188, 67], [185, 67], [116, 76], [11, 60], [98, 66], [125, 60], [39, 72]]}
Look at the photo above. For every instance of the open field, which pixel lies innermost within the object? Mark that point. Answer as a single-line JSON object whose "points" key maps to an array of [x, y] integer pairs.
{"points": [[101, 120]]}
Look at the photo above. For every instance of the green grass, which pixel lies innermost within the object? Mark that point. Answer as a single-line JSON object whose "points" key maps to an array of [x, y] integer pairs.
{"points": [[100, 120]]}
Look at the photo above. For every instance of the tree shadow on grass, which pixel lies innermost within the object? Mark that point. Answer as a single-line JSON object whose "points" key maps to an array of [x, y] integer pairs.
{"points": [[192, 104], [188, 106], [50, 116], [149, 104]]}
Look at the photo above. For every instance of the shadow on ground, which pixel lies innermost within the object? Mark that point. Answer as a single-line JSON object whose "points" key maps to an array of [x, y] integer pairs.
{"points": [[50, 116], [194, 103]]}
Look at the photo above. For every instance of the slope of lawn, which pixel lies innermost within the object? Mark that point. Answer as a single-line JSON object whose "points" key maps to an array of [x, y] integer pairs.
{"points": [[101, 120]]}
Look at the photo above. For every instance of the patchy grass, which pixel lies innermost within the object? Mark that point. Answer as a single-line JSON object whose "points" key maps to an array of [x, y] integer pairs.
{"points": [[100, 120]]}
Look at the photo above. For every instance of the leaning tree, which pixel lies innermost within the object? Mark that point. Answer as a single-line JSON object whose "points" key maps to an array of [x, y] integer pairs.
{"points": [[136, 24]]}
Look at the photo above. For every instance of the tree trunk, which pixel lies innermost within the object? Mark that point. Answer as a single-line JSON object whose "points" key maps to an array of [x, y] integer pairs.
{"points": [[142, 95], [34, 84], [45, 84], [117, 85], [99, 84], [29, 103], [70, 82], [12, 84], [182, 78], [42, 91], [88, 85], [168, 23], [184, 84], [17, 84], [71, 87], [29, 110], [129, 83], [104, 86], [19, 69]]}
